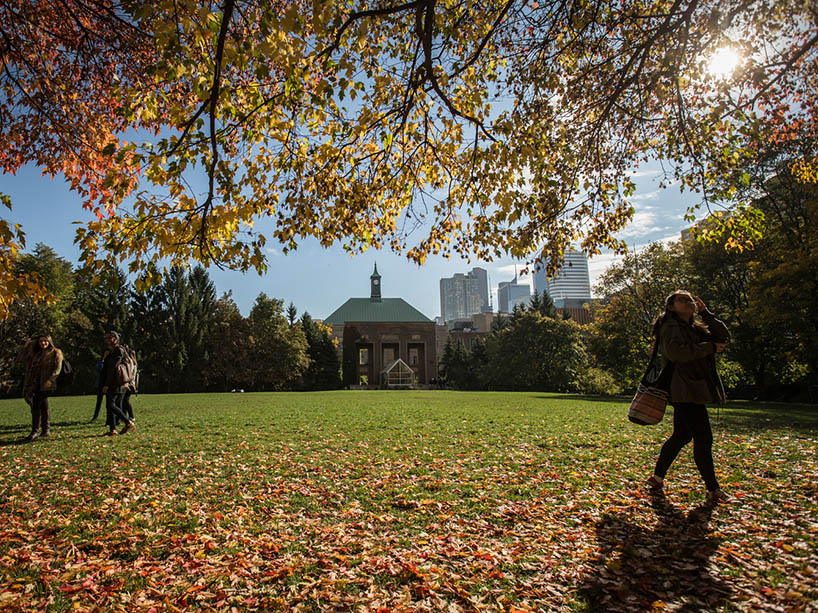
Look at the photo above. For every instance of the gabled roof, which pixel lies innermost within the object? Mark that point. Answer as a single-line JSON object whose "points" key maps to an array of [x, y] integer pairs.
{"points": [[399, 365], [364, 310]]}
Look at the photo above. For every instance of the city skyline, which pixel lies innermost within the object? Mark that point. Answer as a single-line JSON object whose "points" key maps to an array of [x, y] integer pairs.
{"points": [[318, 279]]}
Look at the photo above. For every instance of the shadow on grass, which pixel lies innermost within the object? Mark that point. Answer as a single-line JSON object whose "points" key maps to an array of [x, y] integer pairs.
{"points": [[638, 567], [621, 400], [22, 430], [766, 416]]}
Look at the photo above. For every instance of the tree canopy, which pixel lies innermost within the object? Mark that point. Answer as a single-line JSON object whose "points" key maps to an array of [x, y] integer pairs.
{"points": [[202, 130]]}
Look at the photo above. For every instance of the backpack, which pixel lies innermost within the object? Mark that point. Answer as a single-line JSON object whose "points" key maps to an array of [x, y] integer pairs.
{"points": [[65, 378], [127, 369]]}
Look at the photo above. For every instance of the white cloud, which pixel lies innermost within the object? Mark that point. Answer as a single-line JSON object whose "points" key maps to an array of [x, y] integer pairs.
{"points": [[272, 251], [599, 264], [645, 173], [642, 224], [654, 195]]}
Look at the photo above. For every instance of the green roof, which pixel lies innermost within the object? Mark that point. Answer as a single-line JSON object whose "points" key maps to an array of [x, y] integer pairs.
{"points": [[363, 310]]}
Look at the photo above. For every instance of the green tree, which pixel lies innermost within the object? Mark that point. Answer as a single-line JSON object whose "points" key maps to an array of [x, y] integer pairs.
{"points": [[620, 337], [278, 352], [292, 314], [536, 353], [785, 263], [99, 306], [202, 319], [172, 323], [229, 348], [349, 358], [455, 365], [478, 365], [28, 317], [324, 371], [542, 304]]}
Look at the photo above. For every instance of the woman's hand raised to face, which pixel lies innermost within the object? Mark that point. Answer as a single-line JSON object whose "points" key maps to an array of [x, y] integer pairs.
{"points": [[700, 305]]}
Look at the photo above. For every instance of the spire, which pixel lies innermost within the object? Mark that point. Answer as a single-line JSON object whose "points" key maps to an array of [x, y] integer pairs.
{"points": [[375, 285]]}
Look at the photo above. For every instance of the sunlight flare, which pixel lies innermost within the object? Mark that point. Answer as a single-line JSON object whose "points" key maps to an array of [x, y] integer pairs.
{"points": [[723, 62]]}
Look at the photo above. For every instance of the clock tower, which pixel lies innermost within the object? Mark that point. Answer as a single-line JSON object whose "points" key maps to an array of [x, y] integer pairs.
{"points": [[375, 286]]}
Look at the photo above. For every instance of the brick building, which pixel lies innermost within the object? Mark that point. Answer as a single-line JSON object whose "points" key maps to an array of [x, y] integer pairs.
{"points": [[375, 332]]}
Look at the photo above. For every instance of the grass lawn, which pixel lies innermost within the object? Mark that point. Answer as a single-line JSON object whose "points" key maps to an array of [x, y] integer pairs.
{"points": [[402, 501]]}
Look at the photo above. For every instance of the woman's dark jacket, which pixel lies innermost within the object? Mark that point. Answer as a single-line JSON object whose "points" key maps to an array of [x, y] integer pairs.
{"points": [[692, 349], [42, 375], [108, 374]]}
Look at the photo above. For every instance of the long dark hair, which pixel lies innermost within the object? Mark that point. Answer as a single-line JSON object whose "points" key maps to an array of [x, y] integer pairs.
{"points": [[37, 348], [667, 313]]}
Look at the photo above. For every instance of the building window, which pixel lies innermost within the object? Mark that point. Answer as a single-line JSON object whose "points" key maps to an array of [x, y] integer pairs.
{"points": [[413, 356], [363, 356], [388, 355]]}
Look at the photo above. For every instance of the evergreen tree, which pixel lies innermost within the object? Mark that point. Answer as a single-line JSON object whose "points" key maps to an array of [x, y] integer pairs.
{"points": [[324, 371], [454, 365], [542, 304], [201, 320], [27, 318], [102, 304], [536, 353], [350, 355], [478, 365], [292, 314], [279, 353], [228, 347]]}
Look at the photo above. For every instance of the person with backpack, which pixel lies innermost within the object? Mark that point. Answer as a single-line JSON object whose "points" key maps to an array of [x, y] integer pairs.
{"points": [[115, 383], [42, 362], [689, 337]]}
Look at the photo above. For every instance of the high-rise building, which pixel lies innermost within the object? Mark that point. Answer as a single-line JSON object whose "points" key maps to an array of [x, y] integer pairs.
{"points": [[570, 286], [511, 293], [463, 295]]}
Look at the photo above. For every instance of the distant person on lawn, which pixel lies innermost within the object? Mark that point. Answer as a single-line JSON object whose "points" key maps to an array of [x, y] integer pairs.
{"points": [[689, 337], [43, 362], [114, 391], [98, 385]]}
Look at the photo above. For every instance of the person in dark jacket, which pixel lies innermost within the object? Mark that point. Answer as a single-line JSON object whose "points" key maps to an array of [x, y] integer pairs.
{"points": [[98, 384], [43, 362], [114, 391], [689, 337]]}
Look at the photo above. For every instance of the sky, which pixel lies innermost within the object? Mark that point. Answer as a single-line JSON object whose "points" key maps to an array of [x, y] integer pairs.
{"points": [[319, 280]]}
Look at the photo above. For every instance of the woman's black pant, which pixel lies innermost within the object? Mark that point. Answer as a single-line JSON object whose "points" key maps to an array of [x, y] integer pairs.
{"points": [[690, 422], [126, 405], [98, 406], [113, 408], [40, 416]]}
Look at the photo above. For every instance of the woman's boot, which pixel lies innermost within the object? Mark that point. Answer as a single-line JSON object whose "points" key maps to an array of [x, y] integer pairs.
{"points": [[45, 420], [35, 425]]}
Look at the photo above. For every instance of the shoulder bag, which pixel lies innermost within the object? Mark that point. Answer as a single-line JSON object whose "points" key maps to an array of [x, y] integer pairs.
{"points": [[650, 401]]}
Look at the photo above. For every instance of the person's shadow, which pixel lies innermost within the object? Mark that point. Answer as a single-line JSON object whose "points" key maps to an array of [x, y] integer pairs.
{"points": [[638, 567], [20, 431]]}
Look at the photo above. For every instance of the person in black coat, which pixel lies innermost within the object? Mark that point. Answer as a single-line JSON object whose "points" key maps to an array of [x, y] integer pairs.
{"points": [[690, 336], [98, 386], [114, 391]]}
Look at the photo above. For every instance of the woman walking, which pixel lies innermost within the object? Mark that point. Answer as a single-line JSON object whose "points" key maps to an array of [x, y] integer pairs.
{"points": [[43, 362], [113, 389], [689, 336]]}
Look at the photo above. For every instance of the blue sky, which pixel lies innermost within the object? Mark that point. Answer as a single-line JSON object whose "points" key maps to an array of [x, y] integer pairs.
{"points": [[319, 280]]}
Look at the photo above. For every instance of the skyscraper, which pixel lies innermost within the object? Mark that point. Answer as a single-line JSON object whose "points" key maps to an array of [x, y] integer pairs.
{"points": [[463, 295], [570, 286], [511, 293]]}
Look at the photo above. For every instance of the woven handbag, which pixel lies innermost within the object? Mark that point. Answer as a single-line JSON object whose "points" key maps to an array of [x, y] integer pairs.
{"points": [[650, 401]]}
